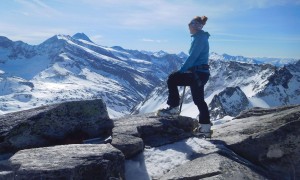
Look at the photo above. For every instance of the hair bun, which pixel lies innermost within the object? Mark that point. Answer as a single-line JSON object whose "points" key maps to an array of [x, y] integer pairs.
{"points": [[204, 19]]}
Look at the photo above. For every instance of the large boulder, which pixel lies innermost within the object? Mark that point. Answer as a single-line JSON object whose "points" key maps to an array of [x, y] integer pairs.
{"points": [[268, 138], [64, 123], [76, 161], [132, 133]]}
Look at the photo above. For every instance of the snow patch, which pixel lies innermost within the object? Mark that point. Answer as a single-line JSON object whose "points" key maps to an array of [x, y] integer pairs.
{"points": [[155, 162], [274, 152]]}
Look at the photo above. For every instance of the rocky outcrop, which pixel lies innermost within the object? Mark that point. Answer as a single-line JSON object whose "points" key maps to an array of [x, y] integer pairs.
{"points": [[282, 86], [131, 134], [65, 123], [70, 123], [231, 101], [270, 140], [75, 161], [281, 76], [258, 144], [258, 111], [261, 144]]}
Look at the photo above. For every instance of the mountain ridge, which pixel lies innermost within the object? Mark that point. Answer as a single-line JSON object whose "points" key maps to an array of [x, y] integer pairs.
{"points": [[64, 68], [67, 69], [264, 85]]}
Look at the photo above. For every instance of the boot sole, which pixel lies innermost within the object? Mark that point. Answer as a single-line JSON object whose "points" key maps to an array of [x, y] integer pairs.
{"points": [[159, 114], [202, 135]]}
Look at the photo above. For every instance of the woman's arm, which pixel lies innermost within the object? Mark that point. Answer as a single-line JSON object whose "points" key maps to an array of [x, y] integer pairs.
{"points": [[196, 47]]}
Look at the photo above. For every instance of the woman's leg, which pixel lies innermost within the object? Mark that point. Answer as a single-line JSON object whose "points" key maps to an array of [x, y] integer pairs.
{"points": [[177, 79], [197, 90]]}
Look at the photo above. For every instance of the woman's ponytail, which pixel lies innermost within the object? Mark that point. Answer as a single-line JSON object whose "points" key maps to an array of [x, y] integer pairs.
{"points": [[204, 19]]}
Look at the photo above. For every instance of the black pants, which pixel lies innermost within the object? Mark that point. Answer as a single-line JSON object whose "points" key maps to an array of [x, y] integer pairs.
{"points": [[197, 89]]}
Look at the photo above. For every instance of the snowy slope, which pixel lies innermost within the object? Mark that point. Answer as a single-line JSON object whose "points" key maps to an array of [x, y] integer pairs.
{"points": [[264, 85], [65, 68]]}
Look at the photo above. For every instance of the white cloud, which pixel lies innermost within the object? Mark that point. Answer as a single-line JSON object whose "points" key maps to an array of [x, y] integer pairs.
{"points": [[141, 14], [30, 33], [37, 8], [154, 13], [154, 40], [136, 14]]}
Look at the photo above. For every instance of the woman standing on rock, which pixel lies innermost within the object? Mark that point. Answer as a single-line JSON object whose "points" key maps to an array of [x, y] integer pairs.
{"points": [[193, 73]]}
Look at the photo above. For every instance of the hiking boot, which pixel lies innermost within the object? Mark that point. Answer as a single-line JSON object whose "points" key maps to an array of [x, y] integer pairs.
{"points": [[169, 111], [204, 130]]}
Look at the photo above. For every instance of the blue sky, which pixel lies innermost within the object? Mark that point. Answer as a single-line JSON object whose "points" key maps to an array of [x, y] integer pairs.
{"points": [[252, 28]]}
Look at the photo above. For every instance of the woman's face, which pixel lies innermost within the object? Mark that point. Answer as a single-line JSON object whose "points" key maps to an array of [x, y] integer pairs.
{"points": [[192, 27]]}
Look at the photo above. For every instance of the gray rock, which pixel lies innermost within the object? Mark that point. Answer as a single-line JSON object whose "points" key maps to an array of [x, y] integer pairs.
{"points": [[129, 145], [213, 166], [270, 140], [64, 123], [76, 161], [132, 133], [258, 111]]}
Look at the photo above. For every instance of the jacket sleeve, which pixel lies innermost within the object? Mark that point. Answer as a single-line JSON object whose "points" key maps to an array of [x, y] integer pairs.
{"points": [[195, 50]]}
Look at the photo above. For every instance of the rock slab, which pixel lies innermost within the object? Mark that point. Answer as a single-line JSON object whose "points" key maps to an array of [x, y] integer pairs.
{"points": [[76, 161], [268, 138], [212, 166], [64, 123]]}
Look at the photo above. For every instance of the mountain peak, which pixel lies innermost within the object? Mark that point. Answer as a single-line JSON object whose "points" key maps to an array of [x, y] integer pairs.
{"points": [[81, 36], [119, 48], [160, 53], [5, 42], [182, 55]]}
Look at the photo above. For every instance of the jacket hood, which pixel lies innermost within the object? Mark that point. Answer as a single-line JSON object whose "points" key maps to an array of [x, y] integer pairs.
{"points": [[201, 33]]}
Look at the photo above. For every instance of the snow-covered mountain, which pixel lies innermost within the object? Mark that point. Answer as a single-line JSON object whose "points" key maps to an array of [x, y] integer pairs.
{"points": [[226, 57], [65, 68], [236, 86], [160, 53], [279, 62]]}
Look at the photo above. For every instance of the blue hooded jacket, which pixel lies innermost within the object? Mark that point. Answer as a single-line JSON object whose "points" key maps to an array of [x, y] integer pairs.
{"points": [[198, 53]]}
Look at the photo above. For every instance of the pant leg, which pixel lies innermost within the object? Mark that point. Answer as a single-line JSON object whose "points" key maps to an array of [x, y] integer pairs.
{"points": [[198, 97], [177, 79]]}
